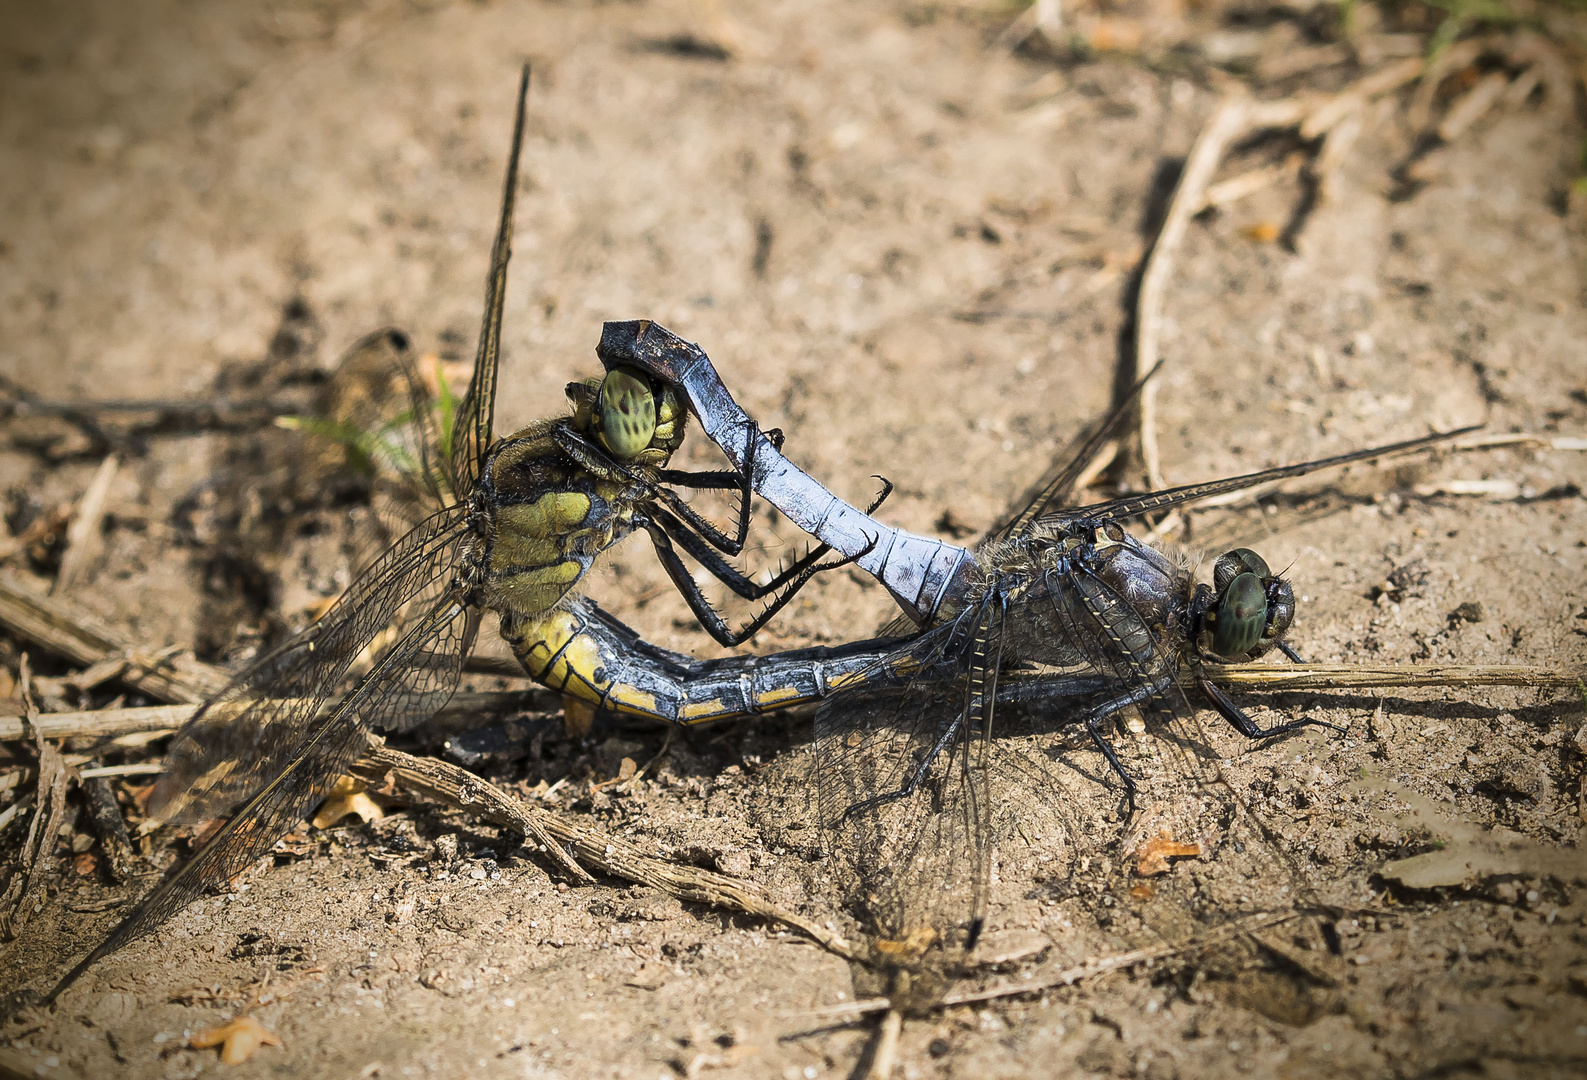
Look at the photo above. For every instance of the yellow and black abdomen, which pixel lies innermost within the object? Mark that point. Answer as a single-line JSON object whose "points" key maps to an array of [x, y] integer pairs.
{"points": [[581, 651]]}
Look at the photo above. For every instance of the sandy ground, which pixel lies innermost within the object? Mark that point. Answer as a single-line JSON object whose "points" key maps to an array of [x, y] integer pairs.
{"points": [[912, 253]]}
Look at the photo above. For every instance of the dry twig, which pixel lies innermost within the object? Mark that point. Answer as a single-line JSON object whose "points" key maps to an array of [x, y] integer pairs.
{"points": [[27, 875], [1365, 676], [1337, 119], [164, 719], [885, 1059], [1068, 976], [567, 842]]}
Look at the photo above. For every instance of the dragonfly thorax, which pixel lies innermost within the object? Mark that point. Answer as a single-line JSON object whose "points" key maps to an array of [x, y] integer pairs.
{"points": [[557, 493]]}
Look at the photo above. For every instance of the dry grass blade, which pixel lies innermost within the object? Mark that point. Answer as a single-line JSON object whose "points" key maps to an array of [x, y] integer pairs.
{"points": [[83, 535], [1366, 676], [110, 723], [577, 846]]}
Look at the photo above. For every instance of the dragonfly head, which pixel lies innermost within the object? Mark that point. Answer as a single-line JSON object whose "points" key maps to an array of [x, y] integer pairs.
{"points": [[1251, 607], [629, 417]]}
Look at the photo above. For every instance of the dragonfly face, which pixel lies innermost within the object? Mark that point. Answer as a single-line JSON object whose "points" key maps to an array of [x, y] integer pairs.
{"points": [[632, 421], [1251, 608]]}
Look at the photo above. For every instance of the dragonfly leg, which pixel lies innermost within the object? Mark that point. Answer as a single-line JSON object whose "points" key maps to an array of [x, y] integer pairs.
{"points": [[909, 786], [1093, 722], [1294, 657], [740, 480], [722, 570], [714, 624], [1241, 722]]}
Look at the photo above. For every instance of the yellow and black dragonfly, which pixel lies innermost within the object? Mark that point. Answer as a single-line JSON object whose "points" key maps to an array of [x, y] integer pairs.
{"points": [[525, 518]]}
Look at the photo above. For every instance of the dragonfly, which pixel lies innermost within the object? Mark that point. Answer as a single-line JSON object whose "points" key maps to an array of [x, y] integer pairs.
{"points": [[1059, 620], [523, 519]]}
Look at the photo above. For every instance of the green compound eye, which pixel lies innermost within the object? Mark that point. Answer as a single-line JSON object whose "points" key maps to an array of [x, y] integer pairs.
{"points": [[1232, 563], [1242, 616], [625, 413]]}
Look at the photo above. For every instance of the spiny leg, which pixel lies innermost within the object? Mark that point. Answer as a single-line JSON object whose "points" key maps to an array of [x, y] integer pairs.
{"points": [[663, 529], [741, 480], [1241, 721], [1093, 724], [719, 567], [708, 616]]}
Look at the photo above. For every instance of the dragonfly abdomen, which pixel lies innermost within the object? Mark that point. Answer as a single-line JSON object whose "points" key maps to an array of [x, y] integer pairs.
{"points": [[585, 654]]}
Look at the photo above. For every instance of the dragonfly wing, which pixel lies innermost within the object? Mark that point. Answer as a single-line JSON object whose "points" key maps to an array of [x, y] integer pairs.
{"points": [[1136, 505], [1057, 486], [904, 809], [407, 677], [247, 733], [473, 424]]}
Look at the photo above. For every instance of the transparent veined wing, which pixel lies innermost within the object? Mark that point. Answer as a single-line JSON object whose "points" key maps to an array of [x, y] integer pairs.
{"points": [[471, 429], [272, 743]]}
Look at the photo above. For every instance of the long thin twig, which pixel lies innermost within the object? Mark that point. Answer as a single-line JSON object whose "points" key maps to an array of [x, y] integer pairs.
{"points": [[1189, 195], [110, 723], [885, 1058], [576, 845], [1365, 676], [1234, 119], [1068, 976]]}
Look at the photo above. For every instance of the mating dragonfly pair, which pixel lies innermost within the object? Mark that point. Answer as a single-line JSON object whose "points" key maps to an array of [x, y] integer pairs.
{"points": [[1059, 613]]}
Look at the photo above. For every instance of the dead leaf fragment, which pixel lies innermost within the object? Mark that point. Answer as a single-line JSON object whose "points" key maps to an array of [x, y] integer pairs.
{"points": [[349, 796], [238, 1040], [1151, 858]]}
